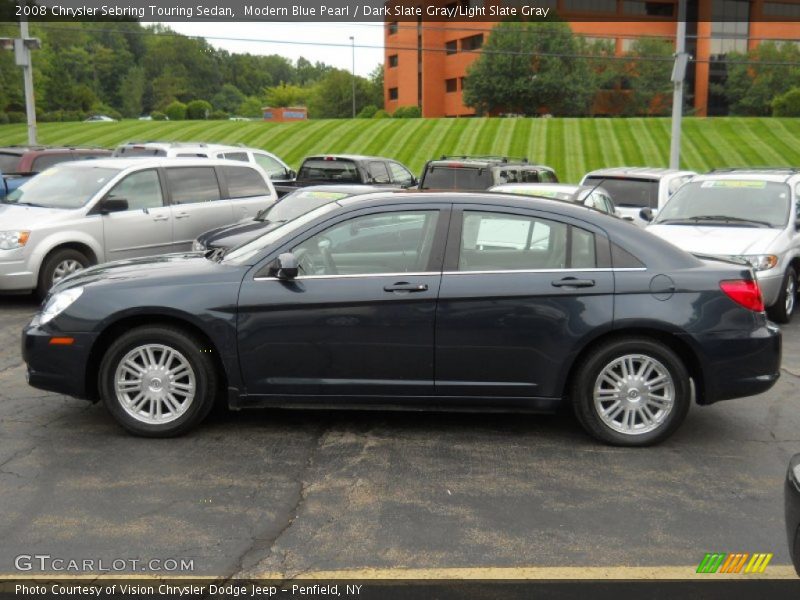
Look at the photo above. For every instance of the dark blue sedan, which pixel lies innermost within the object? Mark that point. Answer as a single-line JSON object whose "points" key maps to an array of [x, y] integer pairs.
{"points": [[451, 301]]}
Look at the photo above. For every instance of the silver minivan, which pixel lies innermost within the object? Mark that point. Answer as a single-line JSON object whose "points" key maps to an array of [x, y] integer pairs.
{"points": [[745, 214], [83, 213]]}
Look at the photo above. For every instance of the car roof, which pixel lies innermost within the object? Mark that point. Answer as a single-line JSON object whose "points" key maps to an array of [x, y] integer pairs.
{"points": [[20, 150], [494, 161], [556, 187], [189, 145], [153, 161], [354, 157], [637, 172], [778, 174], [344, 188]]}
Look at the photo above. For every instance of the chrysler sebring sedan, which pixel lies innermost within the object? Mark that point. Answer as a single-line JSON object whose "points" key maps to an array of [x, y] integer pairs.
{"points": [[451, 301]]}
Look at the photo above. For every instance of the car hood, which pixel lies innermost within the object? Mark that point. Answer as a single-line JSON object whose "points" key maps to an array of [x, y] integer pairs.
{"points": [[730, 241], [13, 216], [136, 272], [233, 235]]}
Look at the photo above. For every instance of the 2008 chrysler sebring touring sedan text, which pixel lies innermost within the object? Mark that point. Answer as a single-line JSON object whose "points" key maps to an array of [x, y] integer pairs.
{"points": [[417, 301]]}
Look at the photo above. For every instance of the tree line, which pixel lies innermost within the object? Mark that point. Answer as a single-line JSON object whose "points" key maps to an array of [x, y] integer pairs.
{"points": [[126, 69]]}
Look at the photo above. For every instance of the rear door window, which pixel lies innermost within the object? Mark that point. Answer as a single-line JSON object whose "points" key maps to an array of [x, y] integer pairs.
{"points": [[244, 182], [189, 185], [240, 156]]}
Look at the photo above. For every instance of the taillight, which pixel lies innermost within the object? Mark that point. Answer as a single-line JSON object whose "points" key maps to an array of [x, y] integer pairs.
{"points": [[745, 292]]}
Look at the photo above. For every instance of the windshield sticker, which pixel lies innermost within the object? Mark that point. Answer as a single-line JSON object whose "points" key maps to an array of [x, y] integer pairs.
{"points": [[735, 183]]}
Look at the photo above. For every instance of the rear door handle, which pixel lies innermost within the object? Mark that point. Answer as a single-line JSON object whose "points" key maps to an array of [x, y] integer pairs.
{"points": [[161, 218], [404, 286], [182, 215], [573, 282]]}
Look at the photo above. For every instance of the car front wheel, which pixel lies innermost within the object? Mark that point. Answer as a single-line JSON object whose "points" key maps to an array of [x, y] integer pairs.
{"points": [[631, 392], [158, 381]]}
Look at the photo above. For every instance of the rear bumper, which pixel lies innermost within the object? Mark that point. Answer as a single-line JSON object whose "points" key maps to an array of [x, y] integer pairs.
{"points": [[56, 368], [738, 364]]}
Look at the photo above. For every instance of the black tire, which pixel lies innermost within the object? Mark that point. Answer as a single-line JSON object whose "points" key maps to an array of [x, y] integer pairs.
{"points": [[588, 371], [780, 312], [199, 361], [52, 262]]}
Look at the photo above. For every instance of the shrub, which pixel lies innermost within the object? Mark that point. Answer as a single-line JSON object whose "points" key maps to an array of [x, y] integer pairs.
{"points": [[367, 112], [176, 111], [53, 116], [197, 110], [73, 115], [787, 105], [218, 115], [381, 114], [100, 108], [3, 118], [407, 112], [157, 115], [15, 116]]}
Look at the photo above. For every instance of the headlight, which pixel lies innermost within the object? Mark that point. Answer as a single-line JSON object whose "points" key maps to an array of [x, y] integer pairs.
{"points": [[13, 239], [760, 262], [58, 303], [198, 246]]}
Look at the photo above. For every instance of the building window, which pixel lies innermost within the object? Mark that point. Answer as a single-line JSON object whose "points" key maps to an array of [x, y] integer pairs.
{"points": [[472, 42], [451, 85], [779, 9], [598, 6], [649, 8], [730, 26], [451, 47], [392, 93], [393, 60], [392, 27]]}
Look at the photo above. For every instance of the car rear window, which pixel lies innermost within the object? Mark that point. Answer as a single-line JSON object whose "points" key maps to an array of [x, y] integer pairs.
{"points": [[8, 163], [42, 162], [244, 182], [451, 177], [338, 170], [638, 193]]}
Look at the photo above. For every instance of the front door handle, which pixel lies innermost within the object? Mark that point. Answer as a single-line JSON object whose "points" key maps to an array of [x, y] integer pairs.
{"points": [[181, 215], [573, 282], [404, 286], [161, 218]]}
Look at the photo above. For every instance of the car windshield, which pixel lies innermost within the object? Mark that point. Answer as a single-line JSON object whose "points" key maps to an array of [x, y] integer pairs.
{"points": [[457, 177], [241, 255], [638, 193], [62, 186], [297, 203], [741, 203]]}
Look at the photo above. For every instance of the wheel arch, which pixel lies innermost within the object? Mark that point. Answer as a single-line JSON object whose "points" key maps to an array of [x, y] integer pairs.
{"points": [[677, 344], [125, 323]]}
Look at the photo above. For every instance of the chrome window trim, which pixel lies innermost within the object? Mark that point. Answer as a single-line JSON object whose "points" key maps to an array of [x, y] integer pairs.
{"points": [[425, 273], [301, 277]]}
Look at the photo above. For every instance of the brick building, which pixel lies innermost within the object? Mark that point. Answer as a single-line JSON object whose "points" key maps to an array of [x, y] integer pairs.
{"points": [[433, 80]]}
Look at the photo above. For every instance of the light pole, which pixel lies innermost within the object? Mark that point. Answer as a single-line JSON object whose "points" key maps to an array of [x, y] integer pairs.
{"points": [[678, 75], [353, 46], [22, 47]]}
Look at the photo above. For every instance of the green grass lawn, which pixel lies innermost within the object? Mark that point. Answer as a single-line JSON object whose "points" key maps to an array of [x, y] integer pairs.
{"points": [[571, 146]]}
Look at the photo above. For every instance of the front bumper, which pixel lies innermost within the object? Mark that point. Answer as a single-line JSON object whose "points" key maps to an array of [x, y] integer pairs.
{"points": [[737, 364], [56, 368], [770, 285], [791, 497], [16, 276]]}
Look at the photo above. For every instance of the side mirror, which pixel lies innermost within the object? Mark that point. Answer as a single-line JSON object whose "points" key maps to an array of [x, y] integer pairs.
{"points": [[291, 174], [797, 225], [286, 266], [111, 204], [646, 214]]}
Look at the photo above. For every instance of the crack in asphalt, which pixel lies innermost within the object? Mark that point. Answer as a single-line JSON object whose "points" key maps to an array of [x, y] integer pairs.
{"points": [[263, 545], [785, 370]]}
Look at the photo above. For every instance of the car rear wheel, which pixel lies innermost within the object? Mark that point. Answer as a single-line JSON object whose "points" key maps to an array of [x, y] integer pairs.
{"points": [[57, 266], [783, 309], [631, 392], [158, 381]]}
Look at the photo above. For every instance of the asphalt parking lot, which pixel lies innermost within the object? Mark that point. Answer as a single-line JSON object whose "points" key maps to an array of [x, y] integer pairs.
{"points": [[287, 492]]}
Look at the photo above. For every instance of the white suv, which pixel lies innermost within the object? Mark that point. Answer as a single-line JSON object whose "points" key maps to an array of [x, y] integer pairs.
{"points": [[82, 213], [745, 214], [277, 170]]}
